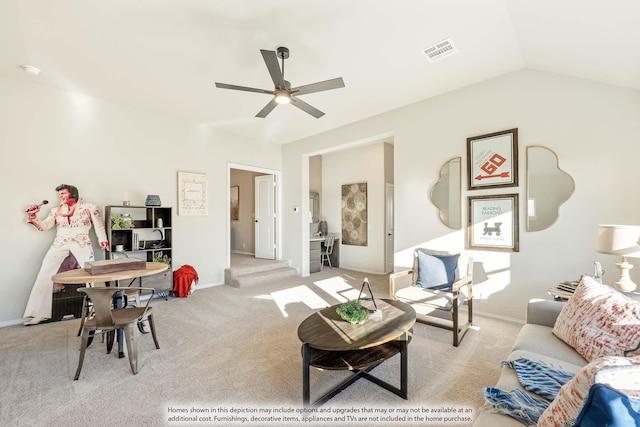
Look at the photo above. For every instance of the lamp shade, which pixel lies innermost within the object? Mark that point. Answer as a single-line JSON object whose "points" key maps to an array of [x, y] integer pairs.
{"points": [[621, 240]]}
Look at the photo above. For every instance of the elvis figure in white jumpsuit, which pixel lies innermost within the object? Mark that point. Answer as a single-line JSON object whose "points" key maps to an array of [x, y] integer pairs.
{"points": [[73, 219]]}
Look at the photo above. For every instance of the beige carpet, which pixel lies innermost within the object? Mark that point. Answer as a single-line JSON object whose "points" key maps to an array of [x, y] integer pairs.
{"points": [[225, 347]]}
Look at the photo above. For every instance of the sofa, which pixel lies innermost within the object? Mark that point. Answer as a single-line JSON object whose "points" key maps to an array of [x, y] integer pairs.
{"points": [[560, 335]]}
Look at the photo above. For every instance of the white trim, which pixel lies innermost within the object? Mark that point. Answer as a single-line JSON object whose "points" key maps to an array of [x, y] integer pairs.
{"points": [[495, 316]]}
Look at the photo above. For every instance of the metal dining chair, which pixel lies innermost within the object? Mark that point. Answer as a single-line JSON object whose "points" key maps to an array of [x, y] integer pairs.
{"points": [[108, 319]]}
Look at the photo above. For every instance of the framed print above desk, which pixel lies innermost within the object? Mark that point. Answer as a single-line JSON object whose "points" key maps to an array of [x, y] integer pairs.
{"points": [[492, 160]]}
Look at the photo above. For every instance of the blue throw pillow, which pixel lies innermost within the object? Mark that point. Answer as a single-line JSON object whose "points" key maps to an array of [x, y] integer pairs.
{"points": [[606, 406], [436, 271]]}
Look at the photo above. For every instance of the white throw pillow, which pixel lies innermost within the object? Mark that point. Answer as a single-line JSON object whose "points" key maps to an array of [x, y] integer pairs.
{"points": [[619, 372], [599, 321]]}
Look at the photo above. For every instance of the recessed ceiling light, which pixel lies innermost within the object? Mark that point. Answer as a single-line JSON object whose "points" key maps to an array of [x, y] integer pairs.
{"points": [[440, 50], [30, 69]]}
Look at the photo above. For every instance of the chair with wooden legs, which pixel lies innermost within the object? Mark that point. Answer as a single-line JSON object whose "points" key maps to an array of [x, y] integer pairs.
{"points": [[441, 290], [108, 319]]}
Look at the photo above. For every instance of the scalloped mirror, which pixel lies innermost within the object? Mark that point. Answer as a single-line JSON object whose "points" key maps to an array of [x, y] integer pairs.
{"points": [[445, 194], [548, 187]]}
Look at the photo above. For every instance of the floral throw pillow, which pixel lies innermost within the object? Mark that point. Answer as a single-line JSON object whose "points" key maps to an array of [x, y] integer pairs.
{"points": [[599, 321], [621, 373]]}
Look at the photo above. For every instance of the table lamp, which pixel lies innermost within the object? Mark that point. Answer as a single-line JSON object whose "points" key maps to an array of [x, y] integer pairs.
{"points": [[623, 240]]}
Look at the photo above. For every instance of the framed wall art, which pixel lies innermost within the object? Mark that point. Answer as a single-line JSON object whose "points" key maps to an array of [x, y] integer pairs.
{"points": [[493, 223], [354, 214], [235, 203], [492, 160], [192, 194]]}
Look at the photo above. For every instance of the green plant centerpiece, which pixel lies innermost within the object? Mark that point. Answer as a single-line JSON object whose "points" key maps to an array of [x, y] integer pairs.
{"points": [[353, 312]]}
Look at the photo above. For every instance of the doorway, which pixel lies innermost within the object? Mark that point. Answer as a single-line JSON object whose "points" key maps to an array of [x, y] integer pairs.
{"points": [[325, 172], [264, 217], [241, 226]]}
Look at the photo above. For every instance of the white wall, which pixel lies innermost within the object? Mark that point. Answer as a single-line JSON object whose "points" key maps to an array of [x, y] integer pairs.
{"points": [[365, 164], [49, 137], [315, 176], [592, 127]]}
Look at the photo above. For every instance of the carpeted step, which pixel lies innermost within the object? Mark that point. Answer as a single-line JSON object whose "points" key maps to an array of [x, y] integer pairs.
{"points": [[252, 279], [258, 271]]}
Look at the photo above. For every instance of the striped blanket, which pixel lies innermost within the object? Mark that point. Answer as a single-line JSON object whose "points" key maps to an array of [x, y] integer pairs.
{"points": [[535, 377]]}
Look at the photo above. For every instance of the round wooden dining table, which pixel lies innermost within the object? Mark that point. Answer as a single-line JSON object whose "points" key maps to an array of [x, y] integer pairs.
{"points": [[80, 276]]}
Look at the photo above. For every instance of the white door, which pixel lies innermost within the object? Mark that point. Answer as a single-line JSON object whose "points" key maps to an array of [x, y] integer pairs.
{"points": [[265, 217], [389, 250]]}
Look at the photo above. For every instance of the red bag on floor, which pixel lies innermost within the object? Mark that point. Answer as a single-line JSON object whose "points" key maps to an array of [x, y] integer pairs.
{"points": [[182, 280]]}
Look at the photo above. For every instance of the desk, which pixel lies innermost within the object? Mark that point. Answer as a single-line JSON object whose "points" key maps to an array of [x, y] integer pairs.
{"points": [[81, 276], [315, 248], [328, 342]]}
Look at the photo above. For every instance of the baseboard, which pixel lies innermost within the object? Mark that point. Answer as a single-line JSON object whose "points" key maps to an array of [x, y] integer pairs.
{"points": [[495, 316], [11, 323], [379, 273], [208, 285], [243, 253]]}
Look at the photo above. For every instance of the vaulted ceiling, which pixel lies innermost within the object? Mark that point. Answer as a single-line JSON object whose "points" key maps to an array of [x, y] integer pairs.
{"points": [[165, 55]]}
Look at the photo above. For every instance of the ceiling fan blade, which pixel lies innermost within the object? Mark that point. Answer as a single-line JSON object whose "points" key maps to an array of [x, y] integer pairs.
{"points": [[244, 88], [318, 87], [306, 107], [271, 59], [267, 109]]}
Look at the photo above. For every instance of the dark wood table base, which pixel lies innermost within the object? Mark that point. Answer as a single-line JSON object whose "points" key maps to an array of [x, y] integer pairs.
{"points": [[361, 362]]}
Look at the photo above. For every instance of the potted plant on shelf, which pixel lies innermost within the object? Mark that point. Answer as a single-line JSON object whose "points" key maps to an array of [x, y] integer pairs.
{"points": [[160, 257], [353, 312], [123, 222]]}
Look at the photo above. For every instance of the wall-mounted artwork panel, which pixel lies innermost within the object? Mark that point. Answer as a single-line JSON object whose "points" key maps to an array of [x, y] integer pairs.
{"points": [[354, 214]]}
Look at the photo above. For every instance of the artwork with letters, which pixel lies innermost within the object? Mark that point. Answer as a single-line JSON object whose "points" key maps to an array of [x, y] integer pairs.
{"points": [[492, 160], [493, 222], [192, 194]]}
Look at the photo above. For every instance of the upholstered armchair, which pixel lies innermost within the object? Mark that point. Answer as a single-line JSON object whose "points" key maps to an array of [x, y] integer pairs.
{"points": [[440, 290]]}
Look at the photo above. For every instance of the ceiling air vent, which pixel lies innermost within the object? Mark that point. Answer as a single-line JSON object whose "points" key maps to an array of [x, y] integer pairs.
{"points": [[440, 50]]}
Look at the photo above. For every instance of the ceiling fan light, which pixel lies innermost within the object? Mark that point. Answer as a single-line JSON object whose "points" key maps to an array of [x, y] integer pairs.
{"points": [[282, 97]]}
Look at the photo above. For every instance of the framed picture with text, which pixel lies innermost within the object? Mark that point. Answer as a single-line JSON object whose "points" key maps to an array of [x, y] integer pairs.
{"points": [[492, 160], [192, 194], [493, 223]]}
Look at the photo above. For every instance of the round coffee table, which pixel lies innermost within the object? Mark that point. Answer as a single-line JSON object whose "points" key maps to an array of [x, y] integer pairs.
{"points": [[335, 344]]}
